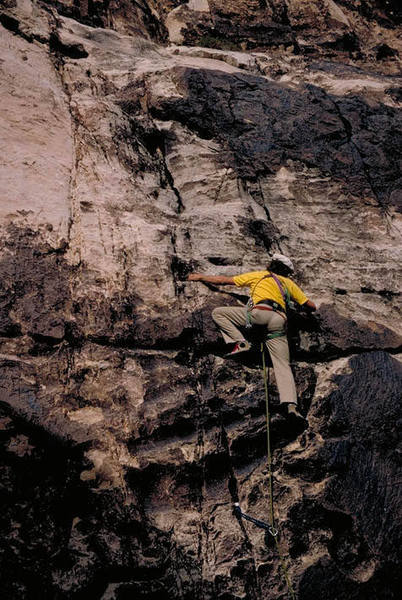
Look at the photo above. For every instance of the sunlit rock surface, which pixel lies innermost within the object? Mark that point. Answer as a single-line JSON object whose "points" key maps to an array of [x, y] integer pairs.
{"points": [[131, 155]]}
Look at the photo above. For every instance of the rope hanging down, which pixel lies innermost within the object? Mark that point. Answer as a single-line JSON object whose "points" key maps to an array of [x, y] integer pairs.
{"points": [[270, 480], [270, 527]]}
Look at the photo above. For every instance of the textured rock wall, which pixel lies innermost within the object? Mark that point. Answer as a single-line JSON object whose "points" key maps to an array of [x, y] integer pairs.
{"points": [[128, 162]]}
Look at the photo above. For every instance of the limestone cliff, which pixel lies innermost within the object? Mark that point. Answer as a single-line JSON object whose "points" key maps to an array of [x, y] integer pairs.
{"points": [[142, 141]]}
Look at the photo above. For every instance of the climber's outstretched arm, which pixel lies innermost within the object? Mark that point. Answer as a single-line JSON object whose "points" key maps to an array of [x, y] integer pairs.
{"points": [[216, 279]]}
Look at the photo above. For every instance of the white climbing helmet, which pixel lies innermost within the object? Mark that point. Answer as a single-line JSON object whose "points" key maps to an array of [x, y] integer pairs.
{"points": [[284, 260]]}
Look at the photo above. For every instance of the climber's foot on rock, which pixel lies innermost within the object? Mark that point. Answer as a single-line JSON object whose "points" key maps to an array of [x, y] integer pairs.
{"points": [[295, 419]]}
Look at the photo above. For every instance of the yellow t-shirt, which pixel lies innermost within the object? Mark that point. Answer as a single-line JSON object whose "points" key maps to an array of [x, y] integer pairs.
{"points": [[267, 289]]}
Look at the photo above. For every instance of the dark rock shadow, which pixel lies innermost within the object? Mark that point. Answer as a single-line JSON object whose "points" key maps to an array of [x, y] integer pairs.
{"points": [[263, 125], [360, 507]]}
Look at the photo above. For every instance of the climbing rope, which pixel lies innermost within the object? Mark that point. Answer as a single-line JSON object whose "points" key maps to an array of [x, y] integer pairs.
{"points": [[270, 483], [269, 455]]}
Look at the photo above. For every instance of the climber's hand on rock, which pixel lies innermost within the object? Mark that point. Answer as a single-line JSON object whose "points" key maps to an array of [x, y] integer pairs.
{"points": [[309, 307]]}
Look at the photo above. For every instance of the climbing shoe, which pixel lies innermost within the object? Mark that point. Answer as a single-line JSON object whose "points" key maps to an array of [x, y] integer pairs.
{"points": [[295, 418], [293, 411], [238, 348]]}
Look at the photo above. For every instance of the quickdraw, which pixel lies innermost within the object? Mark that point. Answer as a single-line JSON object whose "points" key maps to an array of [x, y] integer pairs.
{"points": [[261, 524]]}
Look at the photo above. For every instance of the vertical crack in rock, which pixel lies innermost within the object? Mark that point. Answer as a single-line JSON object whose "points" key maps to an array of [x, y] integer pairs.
{"points": [[219, 189], [175, 266], [57, 57], [169, 178], [349, 138]]}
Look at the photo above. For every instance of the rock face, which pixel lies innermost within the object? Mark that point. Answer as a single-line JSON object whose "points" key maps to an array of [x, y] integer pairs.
{"points": [[129, 162]]}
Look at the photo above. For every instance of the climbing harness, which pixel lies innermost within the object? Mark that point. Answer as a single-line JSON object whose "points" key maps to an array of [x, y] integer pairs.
{"points": [[284, 291], [268, 304], [271, 525]]}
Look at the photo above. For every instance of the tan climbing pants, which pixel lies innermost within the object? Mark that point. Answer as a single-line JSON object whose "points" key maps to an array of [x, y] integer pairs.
{"points": [[231, 321]]}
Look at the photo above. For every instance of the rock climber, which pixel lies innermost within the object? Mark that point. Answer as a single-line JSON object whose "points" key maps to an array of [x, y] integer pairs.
{"points": [[270, 292]]}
